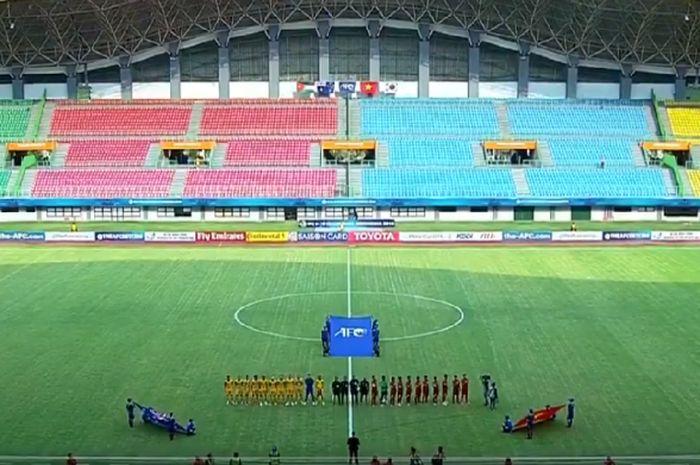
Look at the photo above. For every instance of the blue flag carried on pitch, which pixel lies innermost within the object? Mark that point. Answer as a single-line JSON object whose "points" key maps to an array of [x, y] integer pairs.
{"points": [[351, 337]]}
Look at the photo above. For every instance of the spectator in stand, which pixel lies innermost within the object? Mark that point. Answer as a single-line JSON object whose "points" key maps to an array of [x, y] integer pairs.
{"points": [[602, 163], [608, 461], [235, 459], [197, 461], [375, 461], [70, 460], [353, 448], [438, 457]]}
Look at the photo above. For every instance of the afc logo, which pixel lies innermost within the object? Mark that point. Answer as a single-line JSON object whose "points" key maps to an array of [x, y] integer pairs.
{"points": [[349, 332]]}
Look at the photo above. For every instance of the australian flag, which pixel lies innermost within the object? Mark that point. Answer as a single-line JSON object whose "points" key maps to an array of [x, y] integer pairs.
{"points": [[325, 88]]}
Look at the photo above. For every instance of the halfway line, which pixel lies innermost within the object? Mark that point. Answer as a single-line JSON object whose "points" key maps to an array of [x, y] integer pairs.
{"points": [[349, 306]]}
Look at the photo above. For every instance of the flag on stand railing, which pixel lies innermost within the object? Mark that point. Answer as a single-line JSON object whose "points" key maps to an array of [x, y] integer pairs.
{"points": [[347, 88], [325, 88], [369, 88], [305, 89], [390, 88]]}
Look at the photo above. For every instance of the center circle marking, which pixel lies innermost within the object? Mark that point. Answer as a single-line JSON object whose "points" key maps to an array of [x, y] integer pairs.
{"points": [[458, 310]]}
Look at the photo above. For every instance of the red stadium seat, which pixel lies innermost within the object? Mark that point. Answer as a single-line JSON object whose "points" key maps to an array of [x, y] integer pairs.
{"points": [[299, 183], [103, 183], [120, 120], [118, 153], [267, 152]]}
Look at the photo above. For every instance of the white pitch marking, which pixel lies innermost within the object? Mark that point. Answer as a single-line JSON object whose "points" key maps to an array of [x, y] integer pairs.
{"points": [[245, 325], [349, 398]]}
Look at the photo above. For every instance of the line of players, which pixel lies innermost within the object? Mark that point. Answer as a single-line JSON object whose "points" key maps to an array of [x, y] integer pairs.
{"points": [[293, 390]]}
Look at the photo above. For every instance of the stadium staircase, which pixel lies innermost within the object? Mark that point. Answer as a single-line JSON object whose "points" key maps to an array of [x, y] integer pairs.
{"points": [[695, 155], [4, 161], [35, 116], [315, 156], [58, 157], [14, 175], [669, 183], [478, 154], [355, 119], [45, 124], [544, 154], [503, 123], [340, 184], [25, 189], [687, 185], [664, 123], [153, 156], [342, 118], [195, 120], [355, 183], [218, 156], [177, 188], [652, 121], [382, 155], [638, 155], [522, 188]]}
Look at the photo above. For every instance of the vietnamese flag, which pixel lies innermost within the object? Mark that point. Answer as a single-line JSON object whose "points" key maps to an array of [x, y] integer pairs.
{"points": [[369, 88]]}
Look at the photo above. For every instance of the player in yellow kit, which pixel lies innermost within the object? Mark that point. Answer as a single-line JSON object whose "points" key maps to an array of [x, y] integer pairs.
{"points": [[299, 389], [245, 389], [265, 394], [289, 390], [256, 389], [320, 385], [279, 390], [228, 389]]}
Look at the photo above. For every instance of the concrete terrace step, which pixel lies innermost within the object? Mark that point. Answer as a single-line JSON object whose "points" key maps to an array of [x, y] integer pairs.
{"points": [[218, 156], [521, 186], [177, 188], [58, 157]]}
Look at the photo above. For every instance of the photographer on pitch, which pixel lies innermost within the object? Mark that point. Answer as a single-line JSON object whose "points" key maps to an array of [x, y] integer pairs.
{"points": [[486, 385]]}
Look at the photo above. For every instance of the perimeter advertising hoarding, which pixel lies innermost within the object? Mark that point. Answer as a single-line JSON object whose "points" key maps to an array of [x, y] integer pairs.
{"points": [[374, 236], [267, 236], [573, 236], [678, 236], [86, 236], [169, 236], [627, 235], [22, 236], [220, 236]]}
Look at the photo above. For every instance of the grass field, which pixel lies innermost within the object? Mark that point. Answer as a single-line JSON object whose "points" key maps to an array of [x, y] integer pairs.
{"points": [[84, 328]]}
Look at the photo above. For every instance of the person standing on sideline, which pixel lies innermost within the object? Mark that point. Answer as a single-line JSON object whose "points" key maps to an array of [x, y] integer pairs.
{"points": [[438, 457], [493, 396], [485, 382], [130, 412], [274, 456], [608, 461], [375, 461], [530, 419], [235, 459], [353, 448], [197, 461], [570, 410], [70, 460], [414, 458]]}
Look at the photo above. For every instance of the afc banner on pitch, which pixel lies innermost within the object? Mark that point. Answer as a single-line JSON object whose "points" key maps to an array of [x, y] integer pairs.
{"points": [[351, 337]]}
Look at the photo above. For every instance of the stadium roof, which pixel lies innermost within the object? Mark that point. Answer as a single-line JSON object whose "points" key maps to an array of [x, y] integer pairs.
{"points": [[64, 32]]}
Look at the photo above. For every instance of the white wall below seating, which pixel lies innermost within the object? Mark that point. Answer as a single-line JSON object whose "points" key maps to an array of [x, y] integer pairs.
{"points": [[643, 91], [5, 91], [199, 90], [245, 89], [465, 214], [22, 215], [498, 89], [553, 90], [150, 90], [448, 89], [106, 90], [598, 90], [53, 91], [405, 89], [287, 89], [552, 214]]}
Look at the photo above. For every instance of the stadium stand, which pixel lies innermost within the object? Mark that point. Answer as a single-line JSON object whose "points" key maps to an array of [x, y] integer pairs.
{"points": [[385, 183], [584, 119], [4, 179], [424, 117], [120, 120], [694, 177], [293, 183], [267, 152], [103, 183], [271, 117], [685, 121], [590, 151], [418, 151], [117, 153], [583, 182], [14, 119]]}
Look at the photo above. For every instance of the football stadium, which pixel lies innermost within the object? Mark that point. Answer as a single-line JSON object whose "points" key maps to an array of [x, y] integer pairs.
{"points": [[457, 231]]}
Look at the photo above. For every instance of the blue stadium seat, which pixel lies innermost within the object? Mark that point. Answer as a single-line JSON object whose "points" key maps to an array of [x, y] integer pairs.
{"points": [[589, 151], [592, 182], [419, 151], [535, 119], [483, 182], [422, 116]]}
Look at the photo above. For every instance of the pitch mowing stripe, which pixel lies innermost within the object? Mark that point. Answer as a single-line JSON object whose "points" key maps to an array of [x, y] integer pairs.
{"points": [[349, 287]]}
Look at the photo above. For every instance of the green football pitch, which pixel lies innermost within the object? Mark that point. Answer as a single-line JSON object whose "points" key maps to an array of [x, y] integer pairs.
{"points": [[82, 329]]}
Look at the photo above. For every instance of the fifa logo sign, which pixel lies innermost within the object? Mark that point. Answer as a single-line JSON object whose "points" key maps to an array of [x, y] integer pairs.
{"points": [[349, 332]]}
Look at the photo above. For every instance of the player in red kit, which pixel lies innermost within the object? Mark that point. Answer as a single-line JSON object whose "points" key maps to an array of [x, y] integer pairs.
{"points": [[464, 391], [445, 389], [436, 390], [426, 389], [399, 391], [392, 391], [419, 390], [409, 390], [374, 390], [455, 390]]}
